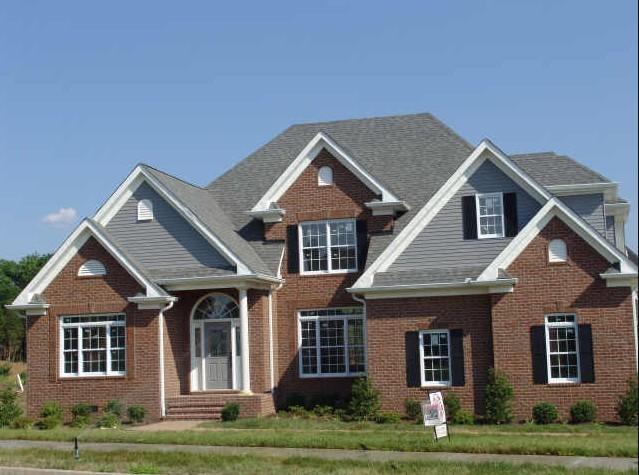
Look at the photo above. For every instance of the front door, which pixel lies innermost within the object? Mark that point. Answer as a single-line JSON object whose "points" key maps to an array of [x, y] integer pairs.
{"points": [[217, 345]]}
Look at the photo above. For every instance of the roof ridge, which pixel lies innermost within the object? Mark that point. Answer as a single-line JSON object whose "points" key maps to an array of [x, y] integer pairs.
{"points": [[144, 165], [521, 156], [357, 119]]}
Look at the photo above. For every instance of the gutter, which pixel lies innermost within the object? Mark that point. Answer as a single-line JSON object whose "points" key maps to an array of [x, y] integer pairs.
{"points": [[233, 277], [440, 285]]}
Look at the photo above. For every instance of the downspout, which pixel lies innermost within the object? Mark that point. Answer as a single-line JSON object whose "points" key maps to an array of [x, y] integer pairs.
{"points": [[270, 333], [634, 326], [168, 307], [363, 302]]}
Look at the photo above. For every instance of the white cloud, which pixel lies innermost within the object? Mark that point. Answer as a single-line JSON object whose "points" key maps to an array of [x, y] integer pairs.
{"points": [[61, 217]]}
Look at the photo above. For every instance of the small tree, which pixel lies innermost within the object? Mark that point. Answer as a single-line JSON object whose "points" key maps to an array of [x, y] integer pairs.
{"points": [[499, 397], [9, 409], [627, 404], [364, 405], [51, 414], [452, 405], [413, 409]]}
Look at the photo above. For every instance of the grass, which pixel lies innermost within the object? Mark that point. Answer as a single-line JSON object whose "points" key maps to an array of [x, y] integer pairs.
{"points": [[588, 440], [189, 463]]}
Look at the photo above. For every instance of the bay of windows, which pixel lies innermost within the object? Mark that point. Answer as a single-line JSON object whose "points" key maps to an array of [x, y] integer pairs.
{"points": [[93, 345], [331, 342], [328, 246]]}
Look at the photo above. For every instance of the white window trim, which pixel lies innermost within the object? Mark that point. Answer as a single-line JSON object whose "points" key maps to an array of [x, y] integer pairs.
{"points": [[329, 264], [572, 324], [434, 384], [79, 326], [345, 319], [501, 199]]}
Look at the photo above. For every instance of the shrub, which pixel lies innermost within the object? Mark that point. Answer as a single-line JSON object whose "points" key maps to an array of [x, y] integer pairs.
{"points": [[294, 399], [452, 405], [81, 415], [544, 413], [583, 411], [51, 415], [627, 404], [463, 418], [499, 397], [9, 409], [109, 420], [230, 411], [323, 411], [332, 400], [5, 369], [136, 414], [390, 417], [114, 407], [22, 423], [364, 405], [298, 412], [413, 409]]}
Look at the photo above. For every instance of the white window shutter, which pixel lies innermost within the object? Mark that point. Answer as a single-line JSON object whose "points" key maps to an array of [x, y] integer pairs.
{"points": [[557, 251], [325, 176], [92, 268], [145, 210]]}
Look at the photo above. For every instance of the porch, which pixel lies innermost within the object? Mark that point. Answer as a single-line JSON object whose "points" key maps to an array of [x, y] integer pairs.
{"points": [[208, 405]]}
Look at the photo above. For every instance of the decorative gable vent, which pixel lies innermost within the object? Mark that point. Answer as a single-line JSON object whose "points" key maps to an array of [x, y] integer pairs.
{"points": [[325, 176], [91, 268], [145, 210], [557, 251]]}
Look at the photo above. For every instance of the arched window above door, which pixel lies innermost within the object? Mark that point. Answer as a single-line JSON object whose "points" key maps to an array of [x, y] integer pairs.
{"points": [[215, 307]]}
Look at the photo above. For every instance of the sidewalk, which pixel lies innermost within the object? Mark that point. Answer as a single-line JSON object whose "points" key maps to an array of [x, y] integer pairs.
{"points": [[610, 463]]}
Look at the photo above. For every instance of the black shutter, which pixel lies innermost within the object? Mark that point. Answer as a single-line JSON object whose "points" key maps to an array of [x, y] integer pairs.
{"points": [[293, 249], [413, 378], [457, 357], [510, 214], [586, 360], [362, 242], [469, 217], [539, 362]]}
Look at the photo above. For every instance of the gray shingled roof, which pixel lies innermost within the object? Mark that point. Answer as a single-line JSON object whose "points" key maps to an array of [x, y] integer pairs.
{"points": [[551, 169]]}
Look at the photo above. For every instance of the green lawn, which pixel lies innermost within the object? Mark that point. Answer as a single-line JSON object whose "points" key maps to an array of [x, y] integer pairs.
{"points": [[189, 463], [588, 440]]}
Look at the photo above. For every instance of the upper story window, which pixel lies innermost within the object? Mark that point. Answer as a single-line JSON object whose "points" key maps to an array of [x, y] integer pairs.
{"points": [[557, 251], [91, 268], [325, 176], [328, 246], [490, 215], [563, 348], [145, 210], [93, 345]]}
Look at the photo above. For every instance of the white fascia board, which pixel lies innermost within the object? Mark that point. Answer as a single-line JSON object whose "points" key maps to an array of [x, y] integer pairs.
{"points": [[30, 309], [303, 160], [219, 282], [608, 189], [67, 250], [152, 303], [555, 208], [425, 215], [128, 187], [617, 209], [436, 290], [620, 279]]}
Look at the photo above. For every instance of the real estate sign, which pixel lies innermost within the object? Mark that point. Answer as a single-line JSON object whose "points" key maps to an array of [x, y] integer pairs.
{"points": [[434, 414]]}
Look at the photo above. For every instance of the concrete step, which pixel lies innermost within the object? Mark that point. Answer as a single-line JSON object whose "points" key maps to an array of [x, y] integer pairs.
{"points": [[193, 410], [193, 416]]}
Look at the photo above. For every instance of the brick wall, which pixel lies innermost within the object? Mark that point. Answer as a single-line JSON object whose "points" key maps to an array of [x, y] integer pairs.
{"points": [[388, 321], [571, 287], [69, 294]]}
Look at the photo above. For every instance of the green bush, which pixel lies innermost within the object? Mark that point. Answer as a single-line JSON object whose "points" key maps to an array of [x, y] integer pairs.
{"points": [[463, 418], [114, 407], [136, 414], [51, 415], [298, 412], [325, 412], [333, 400], [390, 417], [452, 405], [230, 411], [544, 413], [499, 397], [413, 409], [22, 423], [23, 377], [583, 411], [81, 415], [294, 399], [627, 404], [9, 409], [364, 405], [109, 420], [5, 369]]}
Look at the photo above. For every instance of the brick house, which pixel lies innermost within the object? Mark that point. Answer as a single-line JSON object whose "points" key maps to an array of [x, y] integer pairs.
{"points": [[387, 247]]}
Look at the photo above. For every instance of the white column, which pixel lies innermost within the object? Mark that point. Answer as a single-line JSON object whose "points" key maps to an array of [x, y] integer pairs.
{"points": [[244, 338]]}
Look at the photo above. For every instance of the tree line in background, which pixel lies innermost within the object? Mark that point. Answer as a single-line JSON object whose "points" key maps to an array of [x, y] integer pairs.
{"points": [[14, 276]]}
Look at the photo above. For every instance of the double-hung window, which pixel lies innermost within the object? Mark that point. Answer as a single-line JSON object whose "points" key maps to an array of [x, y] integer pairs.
{"points": [[93, 345], [331, 342], [563, 348], [434, 353], [490, 215], [328, 246]]}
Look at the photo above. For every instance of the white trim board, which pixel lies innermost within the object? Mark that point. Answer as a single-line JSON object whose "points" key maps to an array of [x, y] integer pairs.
{"points": [[139, 175], [486, 150], [304, 159], [556, 208], [86, 229]]}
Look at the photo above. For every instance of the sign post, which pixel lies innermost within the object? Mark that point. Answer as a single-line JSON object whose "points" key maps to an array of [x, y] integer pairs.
{"points": [[434, 414]]}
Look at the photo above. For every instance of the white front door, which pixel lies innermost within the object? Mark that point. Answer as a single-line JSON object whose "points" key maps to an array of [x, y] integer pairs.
{"points": [[217, 355]]}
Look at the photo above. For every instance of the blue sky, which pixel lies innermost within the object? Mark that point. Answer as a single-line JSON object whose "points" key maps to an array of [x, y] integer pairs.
{"points": [[89, 89]]}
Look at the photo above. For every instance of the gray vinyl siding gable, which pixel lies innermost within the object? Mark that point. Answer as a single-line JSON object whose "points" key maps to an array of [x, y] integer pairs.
{"points": [[610, 229], [441, 243], [590, 207], [168, 241]]}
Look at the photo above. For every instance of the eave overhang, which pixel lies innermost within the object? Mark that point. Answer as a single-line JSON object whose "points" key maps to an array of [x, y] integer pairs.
{"points": [[468, 287]]}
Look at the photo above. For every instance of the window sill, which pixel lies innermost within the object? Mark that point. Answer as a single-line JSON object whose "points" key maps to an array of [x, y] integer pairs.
{"points": [[564, 382], [68, 377], [483, 238], [333, 272], [324, 376], [435, 385]]}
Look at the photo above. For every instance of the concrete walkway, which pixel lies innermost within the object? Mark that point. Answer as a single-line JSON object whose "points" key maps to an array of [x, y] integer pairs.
{"points": [[610, 463]]}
